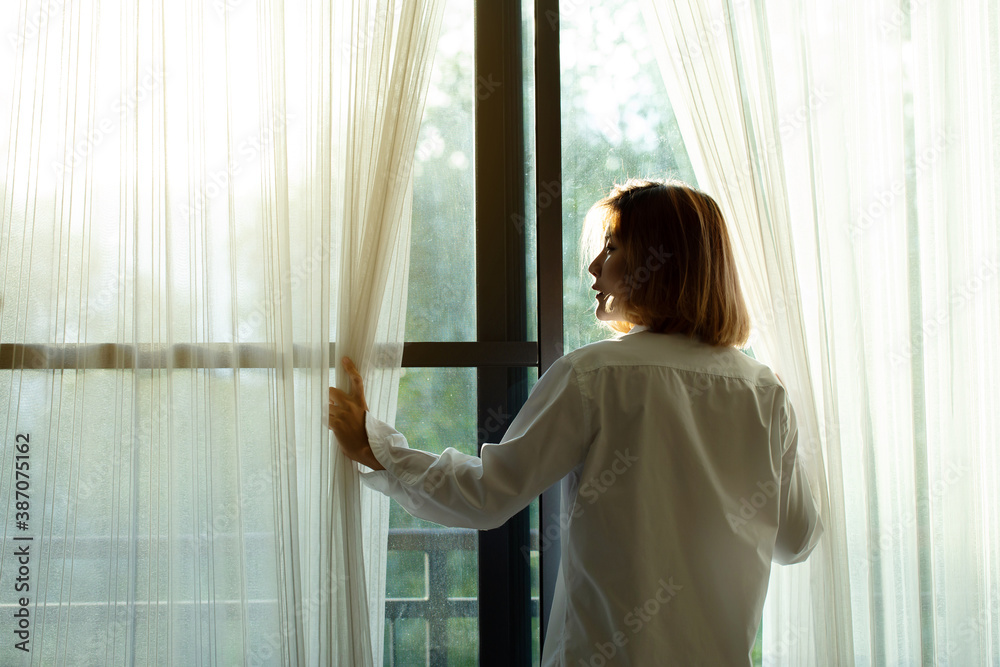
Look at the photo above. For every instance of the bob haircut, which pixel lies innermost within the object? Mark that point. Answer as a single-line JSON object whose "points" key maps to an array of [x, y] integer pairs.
{"points": [[680, 274]]}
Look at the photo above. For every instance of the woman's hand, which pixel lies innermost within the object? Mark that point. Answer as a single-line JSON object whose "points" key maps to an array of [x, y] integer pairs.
{"points": [[347, 419]]}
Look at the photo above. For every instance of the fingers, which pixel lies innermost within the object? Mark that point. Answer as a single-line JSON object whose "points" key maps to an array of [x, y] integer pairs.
{"points": [[352, 372], [338, 414], [357, 383], [340, 398]]}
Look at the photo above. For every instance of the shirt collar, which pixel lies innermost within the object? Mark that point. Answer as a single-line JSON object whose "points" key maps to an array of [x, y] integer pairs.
{"points": [[637, 328]]}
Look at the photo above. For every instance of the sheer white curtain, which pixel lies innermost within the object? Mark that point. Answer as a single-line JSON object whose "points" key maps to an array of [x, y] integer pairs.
{"points": [[197, 199], [854, 149], [382, 88], [732, 138]]}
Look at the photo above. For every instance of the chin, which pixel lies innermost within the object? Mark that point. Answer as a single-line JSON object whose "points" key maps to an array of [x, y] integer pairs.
{"points": [[604, 316]]}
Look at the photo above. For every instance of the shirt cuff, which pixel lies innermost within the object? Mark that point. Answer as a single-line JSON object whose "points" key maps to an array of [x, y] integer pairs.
{"points": [[382, 439]]}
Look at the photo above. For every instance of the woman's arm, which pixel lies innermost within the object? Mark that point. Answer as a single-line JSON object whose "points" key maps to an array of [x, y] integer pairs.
{"points": [[549, 437], [799, 523]]}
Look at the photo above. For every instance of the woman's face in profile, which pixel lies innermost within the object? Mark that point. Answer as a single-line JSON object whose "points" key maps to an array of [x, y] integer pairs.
{"points": [[608, 269]]}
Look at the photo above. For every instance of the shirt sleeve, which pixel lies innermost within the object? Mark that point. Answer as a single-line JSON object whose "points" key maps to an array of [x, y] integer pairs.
{"points": [[799, 523], [549, 436]]}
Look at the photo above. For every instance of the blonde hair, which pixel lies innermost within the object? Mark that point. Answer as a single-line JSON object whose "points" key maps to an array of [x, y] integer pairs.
{"points": [[679, 267]]}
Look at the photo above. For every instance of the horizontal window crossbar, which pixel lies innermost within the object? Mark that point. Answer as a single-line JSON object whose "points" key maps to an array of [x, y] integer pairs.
{"points": [[55, 356], [433, 539], [400, 608]]}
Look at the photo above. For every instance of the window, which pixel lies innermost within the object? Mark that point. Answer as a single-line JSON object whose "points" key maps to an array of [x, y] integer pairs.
{"points": [[534, 109], [462, 596]]}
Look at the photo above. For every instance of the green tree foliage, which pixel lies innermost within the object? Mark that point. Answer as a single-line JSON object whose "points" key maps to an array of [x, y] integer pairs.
{"points": [[617, 124]]}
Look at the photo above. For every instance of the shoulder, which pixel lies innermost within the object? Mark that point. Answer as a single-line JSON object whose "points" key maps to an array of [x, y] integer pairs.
{"points": [[672, 353]]}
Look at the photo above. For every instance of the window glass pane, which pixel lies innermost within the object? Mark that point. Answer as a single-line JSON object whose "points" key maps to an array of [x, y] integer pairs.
{"points": [[616, 123], [528, 225], [108, 448], [536, 648], [406, 642], [432, 578], [441, 301], [535, 585], [463, 647]]}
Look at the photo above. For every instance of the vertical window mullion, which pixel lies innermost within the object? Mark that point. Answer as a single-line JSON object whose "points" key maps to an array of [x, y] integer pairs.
{"points": [[504, 581], [548, 175]]}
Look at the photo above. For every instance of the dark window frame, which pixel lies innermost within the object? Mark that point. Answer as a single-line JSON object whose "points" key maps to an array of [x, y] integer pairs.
{"points": [[501, 353]]}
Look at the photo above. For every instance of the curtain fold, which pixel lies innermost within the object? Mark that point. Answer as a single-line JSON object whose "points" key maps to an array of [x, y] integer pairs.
{"points": [[379, 106], [198, 198], [852, 148]]}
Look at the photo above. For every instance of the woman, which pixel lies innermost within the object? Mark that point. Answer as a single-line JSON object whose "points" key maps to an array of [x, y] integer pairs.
{"points": [[678, 451]]}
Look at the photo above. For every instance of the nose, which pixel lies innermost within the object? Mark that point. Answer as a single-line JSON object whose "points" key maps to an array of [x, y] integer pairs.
{"points": [[595, 266]]}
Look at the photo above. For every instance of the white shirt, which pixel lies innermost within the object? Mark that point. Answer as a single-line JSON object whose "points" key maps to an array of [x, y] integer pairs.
{"points": [[681, 485]]}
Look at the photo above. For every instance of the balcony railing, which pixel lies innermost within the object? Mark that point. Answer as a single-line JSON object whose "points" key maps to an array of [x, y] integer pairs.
{"points": [[436, 607]]}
